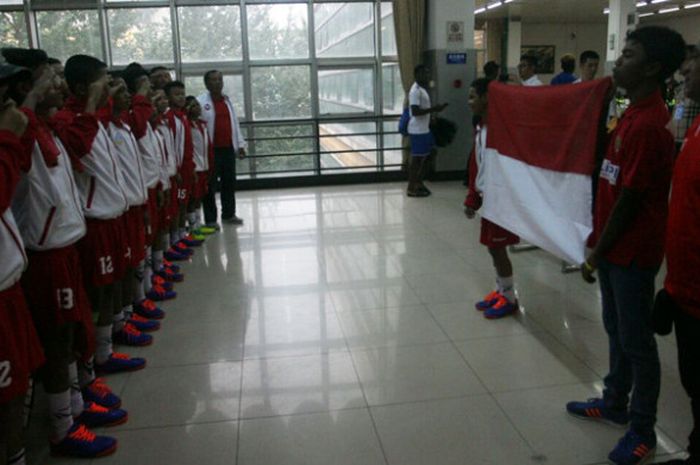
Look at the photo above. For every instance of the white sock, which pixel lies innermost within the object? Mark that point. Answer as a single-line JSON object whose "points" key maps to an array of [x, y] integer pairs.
{"points": [[506, 287], [17, 459], [182, 232], [103, 349], [157, 260], [139, 292], [148, 270], [86, 372], [192, 220], [174, 236], [119, 320], [61, 417], [77, 404]]}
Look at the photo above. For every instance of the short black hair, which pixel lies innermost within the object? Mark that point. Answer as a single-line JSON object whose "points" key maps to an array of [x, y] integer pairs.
{"points": [[661, 45], [82, 69], [481, 86], [418, 69], [588, 55], [132, 73], [568, 63], [30, 58], [155, 69], [54, 61], [208, 74], [189, 98], [172, 85], [491, 68], [529, 59], [23, 78]]}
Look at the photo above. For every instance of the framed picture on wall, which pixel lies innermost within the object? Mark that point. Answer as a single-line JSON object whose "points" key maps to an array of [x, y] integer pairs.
{"points": [[545, 56]]}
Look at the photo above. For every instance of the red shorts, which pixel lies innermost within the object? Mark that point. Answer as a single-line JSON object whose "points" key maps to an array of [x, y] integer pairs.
{"points": [[135, 235], [55, 293], [102, 252], [174, 206], [185, 189], [20, 350], [494, 236], [201, 186], [153, 215]]}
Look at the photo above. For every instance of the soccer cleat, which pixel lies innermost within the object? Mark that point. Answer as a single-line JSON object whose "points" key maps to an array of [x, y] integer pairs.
{"points": [[182, 248], [205, 230], [501, 309], [170, 275], [489, 300], [633, 449], [197, 236], [81, 442], [190, 241], [95, 416], [130, 336], [99, 393], [171, 265], [595, 409], [117, 363], [175, 255], [159, 294], [213, 225], [143, 324], [159, 281], [148, 309]]}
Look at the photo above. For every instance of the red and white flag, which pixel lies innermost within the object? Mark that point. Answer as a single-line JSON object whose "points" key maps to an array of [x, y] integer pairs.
{"points": [[541, 155]]}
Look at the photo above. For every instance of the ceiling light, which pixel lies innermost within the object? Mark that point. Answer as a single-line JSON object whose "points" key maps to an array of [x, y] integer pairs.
{"points": [[606, 11], [508, 1], [658, 1], [644, 15], [641, 4], [692, 5], [494, 5], [479, 11], [669, 10]]}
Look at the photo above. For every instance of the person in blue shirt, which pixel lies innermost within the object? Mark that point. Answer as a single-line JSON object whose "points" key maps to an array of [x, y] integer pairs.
{"points": [[567, 76]]}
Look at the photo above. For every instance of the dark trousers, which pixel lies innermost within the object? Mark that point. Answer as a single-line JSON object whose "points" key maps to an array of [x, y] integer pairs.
{"points": [[628, 297], [224, 179], [688, 340]]}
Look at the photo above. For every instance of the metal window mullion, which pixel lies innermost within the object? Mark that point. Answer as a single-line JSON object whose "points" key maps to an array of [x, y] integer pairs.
{"points": [[315, 106], [175, 31], [104, 32], [378, 84], [247, 85], [30, 22]]}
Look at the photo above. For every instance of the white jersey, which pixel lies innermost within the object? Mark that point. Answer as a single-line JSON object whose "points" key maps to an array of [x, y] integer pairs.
{"points": [[169, 143], [129, 158], [150, 157], [163, 161], [200, 143], [14, 259], [419, 97], [179, 140], [100, 184], [47, 205], [533, 81]]}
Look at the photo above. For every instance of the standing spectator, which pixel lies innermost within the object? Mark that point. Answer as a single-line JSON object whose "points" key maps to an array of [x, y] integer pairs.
{"points": [[567, 76], [160, 76], [527, 70], [687, 109], [683, 259], [631, 209], [491, 70], [588, 64], [419, 130], [224, 130]]}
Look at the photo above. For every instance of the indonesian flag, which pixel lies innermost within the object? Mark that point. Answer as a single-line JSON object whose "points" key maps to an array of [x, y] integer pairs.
{"points": [[541, 145]]}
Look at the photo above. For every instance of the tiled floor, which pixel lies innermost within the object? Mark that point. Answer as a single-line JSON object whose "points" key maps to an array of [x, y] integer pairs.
{"points": [[337, 327]]}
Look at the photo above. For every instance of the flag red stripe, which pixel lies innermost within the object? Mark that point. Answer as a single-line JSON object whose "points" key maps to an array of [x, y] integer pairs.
{"points": [[551, 127]]}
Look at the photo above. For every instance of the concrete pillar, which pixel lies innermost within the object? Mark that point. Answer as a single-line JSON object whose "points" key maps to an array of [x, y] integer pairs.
{"points": [[451, 55], [622, 18], [515, 41]]}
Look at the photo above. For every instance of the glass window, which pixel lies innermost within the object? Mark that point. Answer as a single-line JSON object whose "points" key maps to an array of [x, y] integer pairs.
{"points": [[10, 2], [392, 89], [388, 32], [278, 31], [393, 156], [344, 29], [233, 87], [348, 145], [346, 91], [69, 32], [210, 33], [140, 34], [13, 29], [280, 148], [281, 92]]}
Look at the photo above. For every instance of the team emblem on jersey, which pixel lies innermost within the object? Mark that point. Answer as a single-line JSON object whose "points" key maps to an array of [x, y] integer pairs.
{"points": [[610, 172], [207, 107]]}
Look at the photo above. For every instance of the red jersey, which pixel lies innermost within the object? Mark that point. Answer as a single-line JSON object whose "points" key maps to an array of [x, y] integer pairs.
{"points": [[640, 158], [683, 234], [222, 127]]}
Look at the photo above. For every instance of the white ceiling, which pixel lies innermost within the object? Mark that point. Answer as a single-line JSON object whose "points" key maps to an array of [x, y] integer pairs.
{"points": [[570, 10]]}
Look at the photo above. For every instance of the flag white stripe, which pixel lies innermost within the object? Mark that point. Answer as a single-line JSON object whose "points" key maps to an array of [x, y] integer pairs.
{"points": [[549, 209]]}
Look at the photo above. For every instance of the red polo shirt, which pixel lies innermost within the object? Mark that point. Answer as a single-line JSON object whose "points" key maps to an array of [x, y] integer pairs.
{"points": [[683, 233], [639, 158], [222, 125]]}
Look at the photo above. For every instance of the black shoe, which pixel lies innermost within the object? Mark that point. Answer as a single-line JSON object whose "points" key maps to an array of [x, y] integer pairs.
{"points": [[425, 189], [233, 220], [417, 193]]}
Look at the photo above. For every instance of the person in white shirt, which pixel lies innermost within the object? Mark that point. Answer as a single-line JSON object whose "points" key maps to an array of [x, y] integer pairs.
{"points": [[588, 65], [527, 70], [419, 130]]}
